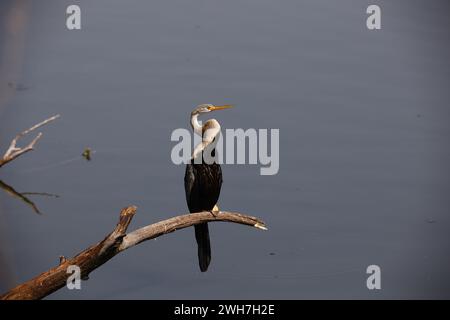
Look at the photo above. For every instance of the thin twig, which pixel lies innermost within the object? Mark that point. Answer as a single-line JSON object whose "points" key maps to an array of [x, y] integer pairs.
{"points": [[44, 194], [13, 151], [114, 243], [22, 196]]}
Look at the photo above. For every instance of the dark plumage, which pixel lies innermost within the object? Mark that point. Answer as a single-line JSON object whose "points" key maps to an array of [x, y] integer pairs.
{"points": [[202, 183]]}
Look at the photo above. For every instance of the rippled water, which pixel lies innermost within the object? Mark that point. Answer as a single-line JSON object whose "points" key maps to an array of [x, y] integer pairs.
{"points": [[364, 144]]}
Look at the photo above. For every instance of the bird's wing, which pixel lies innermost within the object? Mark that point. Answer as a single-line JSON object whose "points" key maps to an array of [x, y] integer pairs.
{"points": [[189, 181]]}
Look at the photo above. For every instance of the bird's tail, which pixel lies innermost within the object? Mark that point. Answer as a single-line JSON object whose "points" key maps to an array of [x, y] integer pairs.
{"points": [[204, 247]]}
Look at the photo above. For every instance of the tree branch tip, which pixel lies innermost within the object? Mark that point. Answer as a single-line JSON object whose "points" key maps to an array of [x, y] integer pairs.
{"points": [[260, 226], [128, 211]]}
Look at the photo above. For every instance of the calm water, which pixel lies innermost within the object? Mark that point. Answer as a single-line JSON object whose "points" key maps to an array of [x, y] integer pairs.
{"points": [[364, 144]]}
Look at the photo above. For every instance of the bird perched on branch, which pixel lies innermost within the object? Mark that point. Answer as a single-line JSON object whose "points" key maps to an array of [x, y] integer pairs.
{"points": [[203, 179]]}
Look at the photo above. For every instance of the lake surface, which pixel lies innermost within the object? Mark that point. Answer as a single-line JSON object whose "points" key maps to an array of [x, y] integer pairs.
{"points": [[364, 144]]}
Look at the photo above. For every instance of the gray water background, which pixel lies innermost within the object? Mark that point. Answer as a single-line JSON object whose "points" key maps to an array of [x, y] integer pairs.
{"points": [[364, 144]]}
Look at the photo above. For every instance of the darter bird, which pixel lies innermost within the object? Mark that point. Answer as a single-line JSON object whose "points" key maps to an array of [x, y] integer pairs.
{"points": [[203, 179]]}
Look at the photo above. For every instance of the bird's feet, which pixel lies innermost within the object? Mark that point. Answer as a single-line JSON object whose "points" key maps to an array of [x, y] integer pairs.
{"points": [[215, 211]]}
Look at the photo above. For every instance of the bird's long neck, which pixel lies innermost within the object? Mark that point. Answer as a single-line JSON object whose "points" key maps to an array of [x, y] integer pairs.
{"points": [[196, 124], [208, 132]]}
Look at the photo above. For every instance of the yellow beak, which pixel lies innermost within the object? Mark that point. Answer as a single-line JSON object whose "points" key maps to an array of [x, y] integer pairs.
{"points": [[213, 108]]}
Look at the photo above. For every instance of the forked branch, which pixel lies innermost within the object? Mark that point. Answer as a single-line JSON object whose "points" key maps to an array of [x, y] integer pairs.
{"points": [[20, 195], [114, 243], [13, 151]]}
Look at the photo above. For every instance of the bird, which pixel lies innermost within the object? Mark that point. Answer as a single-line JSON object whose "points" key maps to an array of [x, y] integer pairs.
{"points": [[203, 179]]}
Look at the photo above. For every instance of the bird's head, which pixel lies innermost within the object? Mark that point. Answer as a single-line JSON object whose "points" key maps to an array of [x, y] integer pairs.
{"points": [[204, 108]]}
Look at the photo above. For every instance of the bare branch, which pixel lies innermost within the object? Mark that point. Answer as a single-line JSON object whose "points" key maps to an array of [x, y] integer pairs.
{"points": [[40, 124], [22, 196], [44, 194], [13, 151], [114, 243], [180, 222]]}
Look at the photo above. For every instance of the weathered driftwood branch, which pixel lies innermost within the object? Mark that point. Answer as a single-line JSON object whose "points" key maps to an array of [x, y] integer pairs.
{"points": [[116, 242], [13, 151]]}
